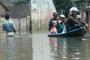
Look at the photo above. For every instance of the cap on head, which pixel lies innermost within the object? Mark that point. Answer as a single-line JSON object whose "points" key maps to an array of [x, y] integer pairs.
{"points": [[78, 16], [62, 16], [74, 9]]}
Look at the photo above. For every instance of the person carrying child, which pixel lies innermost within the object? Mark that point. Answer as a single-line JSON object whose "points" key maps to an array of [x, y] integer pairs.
{"points": [[53, 30]]}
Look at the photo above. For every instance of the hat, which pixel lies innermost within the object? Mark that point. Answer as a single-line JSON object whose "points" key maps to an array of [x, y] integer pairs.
{"points": [[78, 16], [73, 9], [62, 16]]}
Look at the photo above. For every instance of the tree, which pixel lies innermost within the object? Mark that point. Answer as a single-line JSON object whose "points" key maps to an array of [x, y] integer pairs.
{"points": [[65, 5]]}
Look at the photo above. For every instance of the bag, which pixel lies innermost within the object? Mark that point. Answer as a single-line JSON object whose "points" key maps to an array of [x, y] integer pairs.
{"points": [[10, 34]]}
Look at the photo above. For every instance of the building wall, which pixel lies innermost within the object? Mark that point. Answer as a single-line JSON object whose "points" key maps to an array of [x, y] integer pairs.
{"points": [[2, 11], [42, 11]]}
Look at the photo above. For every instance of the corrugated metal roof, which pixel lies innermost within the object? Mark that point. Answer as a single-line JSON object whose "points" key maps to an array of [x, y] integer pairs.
{"points": [[19, 11], [4, 5], [8, 2]]}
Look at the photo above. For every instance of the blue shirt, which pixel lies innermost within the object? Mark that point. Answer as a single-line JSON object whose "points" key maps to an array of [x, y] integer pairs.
{"points": [[8, 26]]}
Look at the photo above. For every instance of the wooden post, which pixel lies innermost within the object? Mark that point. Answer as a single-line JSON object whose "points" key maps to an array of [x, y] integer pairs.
{"points": [[19, 27], [30, 24], [89, 20]]}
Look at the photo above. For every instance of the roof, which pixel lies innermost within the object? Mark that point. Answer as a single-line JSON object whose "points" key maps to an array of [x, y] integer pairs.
{"points": [[8, 2], [4, 5]]}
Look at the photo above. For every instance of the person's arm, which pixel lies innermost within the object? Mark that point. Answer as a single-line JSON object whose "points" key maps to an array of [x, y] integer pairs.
{"points": [[50, 24], [77, 22], [82, 22], [14, 27]]}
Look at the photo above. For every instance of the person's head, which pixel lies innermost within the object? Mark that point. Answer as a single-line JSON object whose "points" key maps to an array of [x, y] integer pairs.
{"points": [[7, 16], [55, 15], [70, 18], [73, 11], [62, 17], [79, 17], [59, 19]]}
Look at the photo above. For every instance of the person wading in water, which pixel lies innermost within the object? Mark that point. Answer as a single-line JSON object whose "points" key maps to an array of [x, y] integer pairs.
{"points": [[8, 26], [72, 22], [52, 20]]}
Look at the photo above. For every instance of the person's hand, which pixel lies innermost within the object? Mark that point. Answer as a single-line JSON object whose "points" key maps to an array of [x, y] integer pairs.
{"points": [[59, 21]]}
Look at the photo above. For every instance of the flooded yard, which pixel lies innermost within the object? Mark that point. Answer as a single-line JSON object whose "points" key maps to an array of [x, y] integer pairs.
{"points": [[39, 46]]}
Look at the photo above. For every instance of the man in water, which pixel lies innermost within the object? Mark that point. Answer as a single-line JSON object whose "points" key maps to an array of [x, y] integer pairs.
{"points": [[72, 22], [8, 26], [52, 20], [82, 22]]}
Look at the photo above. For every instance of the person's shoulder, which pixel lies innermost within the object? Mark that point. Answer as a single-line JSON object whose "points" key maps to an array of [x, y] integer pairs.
{"points": [[4, 22], [11, 21], [51, 18]]}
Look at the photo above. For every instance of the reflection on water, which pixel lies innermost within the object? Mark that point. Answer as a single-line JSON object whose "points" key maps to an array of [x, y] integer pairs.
{"points": [[68, 48], [16, 48], [41, 47], [10, 48], [58, 48]]}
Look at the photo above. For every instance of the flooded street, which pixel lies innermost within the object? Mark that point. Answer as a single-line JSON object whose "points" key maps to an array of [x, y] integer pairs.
{"points": [[39, 46], [39, 16]]}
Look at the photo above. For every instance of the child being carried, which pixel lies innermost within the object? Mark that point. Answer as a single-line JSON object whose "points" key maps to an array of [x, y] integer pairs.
{"points": [[53, 29]]}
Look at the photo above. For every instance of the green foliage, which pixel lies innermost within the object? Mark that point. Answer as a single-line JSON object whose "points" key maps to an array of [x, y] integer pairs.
{"points": [[65, 5]]}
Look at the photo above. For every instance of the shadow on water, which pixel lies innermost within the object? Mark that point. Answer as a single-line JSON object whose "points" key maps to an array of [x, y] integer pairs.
{"points": [[71, 48], [41, 47], [10, 48], [18, 48]]}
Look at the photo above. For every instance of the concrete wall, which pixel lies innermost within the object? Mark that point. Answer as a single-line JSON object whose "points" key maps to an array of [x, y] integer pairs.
{"points": [[2, 11], [42, 11]]}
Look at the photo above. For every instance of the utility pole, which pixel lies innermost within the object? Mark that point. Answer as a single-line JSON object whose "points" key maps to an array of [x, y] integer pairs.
{"points": [[30, 24]]}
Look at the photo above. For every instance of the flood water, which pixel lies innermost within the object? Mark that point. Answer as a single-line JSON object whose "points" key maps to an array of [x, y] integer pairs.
{"points": [[39, 46]]}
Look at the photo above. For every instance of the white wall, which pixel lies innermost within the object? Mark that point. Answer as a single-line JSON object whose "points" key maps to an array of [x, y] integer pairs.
{"points": [[42, 11]]}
